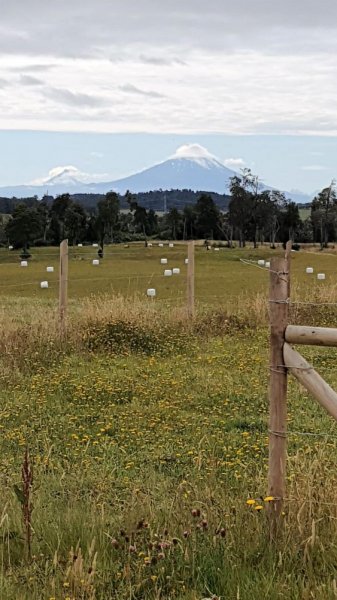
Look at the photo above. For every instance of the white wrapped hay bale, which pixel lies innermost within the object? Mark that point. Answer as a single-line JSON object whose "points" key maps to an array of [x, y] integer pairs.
{"points": [[44, 285], [79, 245], [24, 263], [171, 245], [95, 262], [95, 245], [309, 270], [161, 245], [261, 263], [151, 292], [163, 261], [176, 271], [321, 276], [186, 261], [50, 269], [216, 249], [267, 264], [167, 272]]}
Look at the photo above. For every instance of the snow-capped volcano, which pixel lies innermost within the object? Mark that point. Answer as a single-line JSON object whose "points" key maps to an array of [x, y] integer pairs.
{"points": [[68, 175], [191, 167], [197, 154]]}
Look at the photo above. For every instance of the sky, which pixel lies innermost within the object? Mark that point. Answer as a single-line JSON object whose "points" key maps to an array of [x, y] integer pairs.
{"points": [[113, 86]]}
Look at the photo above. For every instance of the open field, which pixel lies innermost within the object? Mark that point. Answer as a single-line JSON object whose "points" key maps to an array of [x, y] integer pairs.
{"points": [[147, 434], [130, 271]]}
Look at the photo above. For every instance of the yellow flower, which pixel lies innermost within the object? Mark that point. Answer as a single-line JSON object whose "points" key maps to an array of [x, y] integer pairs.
{"points": [[269, 498], [250, 502], [258, 507]]}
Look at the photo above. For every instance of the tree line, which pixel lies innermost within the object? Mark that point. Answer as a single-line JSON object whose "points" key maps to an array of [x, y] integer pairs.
{"points": [[254, 214]]}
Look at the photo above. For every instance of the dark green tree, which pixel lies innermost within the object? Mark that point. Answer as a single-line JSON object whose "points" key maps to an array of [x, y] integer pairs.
{"points": [[58, 214], [75, 223], [23, 227], [107, 222], [324, 213], [207, 217]]}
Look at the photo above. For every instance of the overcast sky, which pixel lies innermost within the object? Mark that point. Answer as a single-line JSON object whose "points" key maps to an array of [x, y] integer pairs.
{"points": [[260, 67]]}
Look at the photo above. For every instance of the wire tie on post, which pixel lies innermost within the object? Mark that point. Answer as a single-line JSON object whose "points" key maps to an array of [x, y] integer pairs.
{"points": [[287, 301], [280, 434]]}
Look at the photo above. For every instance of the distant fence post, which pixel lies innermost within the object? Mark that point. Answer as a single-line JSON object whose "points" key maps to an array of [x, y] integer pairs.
{"points": [[190, 280], [63, 287], [279, 294]]}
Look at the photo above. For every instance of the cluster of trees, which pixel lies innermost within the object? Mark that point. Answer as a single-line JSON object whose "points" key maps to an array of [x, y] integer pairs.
{"points": [[49, 223], [259, 215], [253, 214]]}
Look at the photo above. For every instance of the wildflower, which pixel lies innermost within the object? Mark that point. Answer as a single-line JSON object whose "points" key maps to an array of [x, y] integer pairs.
{"points": [[269, 498], [258, 507], [250, 502]]}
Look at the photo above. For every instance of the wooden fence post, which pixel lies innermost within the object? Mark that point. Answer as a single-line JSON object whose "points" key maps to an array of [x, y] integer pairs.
{"points": [[190, 280], [63, 287], [279, 293]]}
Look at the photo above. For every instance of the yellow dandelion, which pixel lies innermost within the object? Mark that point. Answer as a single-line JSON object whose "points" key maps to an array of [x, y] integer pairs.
{"points": [[258, 507], [250, 502], [269, 498]]}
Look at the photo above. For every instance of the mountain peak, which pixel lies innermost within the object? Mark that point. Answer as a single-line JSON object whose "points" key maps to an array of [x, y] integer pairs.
{"points": [[197, 154], [193, 151]]}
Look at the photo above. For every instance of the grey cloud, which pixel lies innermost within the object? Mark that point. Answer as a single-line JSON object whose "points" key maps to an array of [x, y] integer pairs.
{"points": [[32, 68], [84, 27], [65, 96], [29, 80], [132, 89], [161, 61], [3, 83]]}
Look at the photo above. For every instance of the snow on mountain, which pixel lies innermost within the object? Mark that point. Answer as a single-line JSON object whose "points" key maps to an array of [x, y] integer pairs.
{"points": [[191, 167]]}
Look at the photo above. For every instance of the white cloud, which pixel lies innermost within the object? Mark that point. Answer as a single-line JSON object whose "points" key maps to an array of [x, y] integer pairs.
{"points": [[69, 173], [97, 154], [314, 168], [192, 151], [234, 163]]}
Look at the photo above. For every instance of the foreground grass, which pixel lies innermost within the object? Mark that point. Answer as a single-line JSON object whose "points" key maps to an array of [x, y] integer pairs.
{"points": [[147, 436], [142, 468]]}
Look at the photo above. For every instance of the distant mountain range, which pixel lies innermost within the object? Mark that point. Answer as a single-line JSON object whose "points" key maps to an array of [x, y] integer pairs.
{"points": [[191, 167]]}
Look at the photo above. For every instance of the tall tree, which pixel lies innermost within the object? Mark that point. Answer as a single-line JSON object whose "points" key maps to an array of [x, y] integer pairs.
{"points": [[58, 213], [24, 227], [324, 212], [207, 217], [108, 217], [240, 207], [75, 223]]}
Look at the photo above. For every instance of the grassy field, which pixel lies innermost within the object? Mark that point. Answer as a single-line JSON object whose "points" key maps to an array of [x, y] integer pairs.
{"points": [[148, 435], [130, 271]]}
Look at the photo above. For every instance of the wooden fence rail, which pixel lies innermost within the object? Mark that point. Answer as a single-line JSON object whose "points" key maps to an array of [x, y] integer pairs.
{"points": [[284, 359]]}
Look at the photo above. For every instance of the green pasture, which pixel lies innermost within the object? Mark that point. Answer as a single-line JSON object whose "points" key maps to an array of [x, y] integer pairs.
{"points": [[148, 437], [219, 275]]}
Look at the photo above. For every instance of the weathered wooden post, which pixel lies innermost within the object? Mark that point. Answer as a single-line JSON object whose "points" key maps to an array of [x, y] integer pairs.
{"points": [[190, 280], [63, 287], [279, 295]]}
